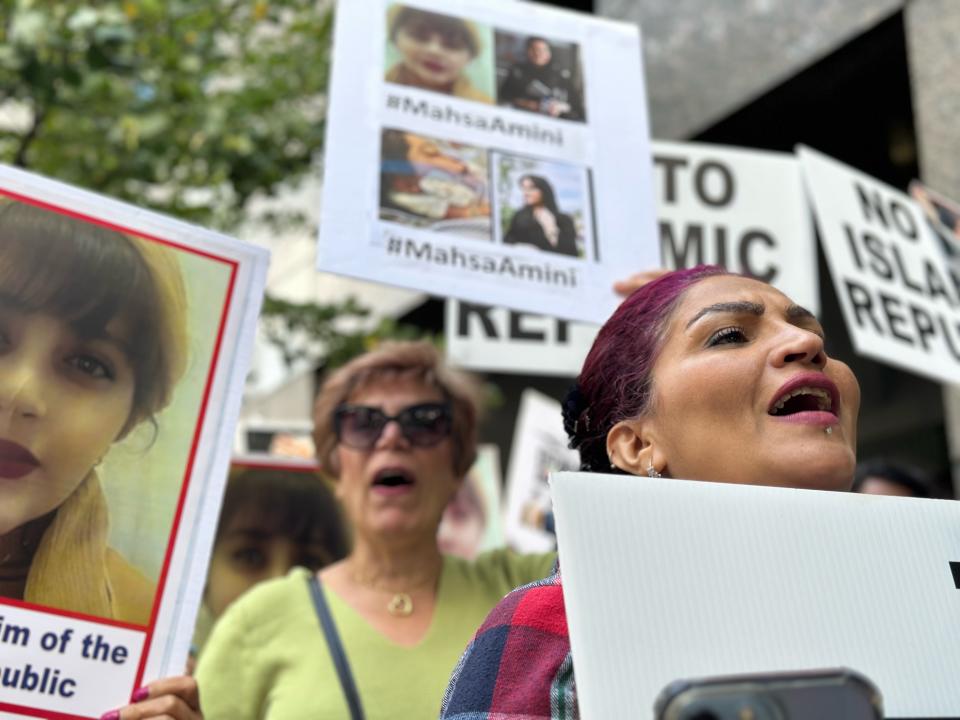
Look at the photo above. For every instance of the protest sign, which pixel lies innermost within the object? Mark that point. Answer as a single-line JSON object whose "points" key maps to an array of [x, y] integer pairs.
{"points": [[667, 579], [743, 209], [472, 522], [539, 448], [479, 171], [495, 339], [900, 299], [125, 338]]}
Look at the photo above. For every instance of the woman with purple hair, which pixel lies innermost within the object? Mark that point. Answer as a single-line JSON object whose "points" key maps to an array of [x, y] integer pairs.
{"points": [[700, 374]]}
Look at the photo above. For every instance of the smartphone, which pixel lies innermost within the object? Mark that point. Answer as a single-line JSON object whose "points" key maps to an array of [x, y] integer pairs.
{"points": [[837, 694]]}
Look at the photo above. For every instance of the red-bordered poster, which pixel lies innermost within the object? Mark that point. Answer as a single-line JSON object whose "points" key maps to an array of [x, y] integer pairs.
{"points": [[124, 342]]}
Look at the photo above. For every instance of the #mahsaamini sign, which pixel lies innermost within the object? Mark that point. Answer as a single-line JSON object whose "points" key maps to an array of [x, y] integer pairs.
{"points": [[468, 153]]}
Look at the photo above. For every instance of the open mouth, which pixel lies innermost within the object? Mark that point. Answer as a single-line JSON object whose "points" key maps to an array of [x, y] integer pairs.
{"points": [[803, 399], [393, 478]]}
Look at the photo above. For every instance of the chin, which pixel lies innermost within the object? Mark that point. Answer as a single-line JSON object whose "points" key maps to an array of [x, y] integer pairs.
{"points": [[825, 474]]}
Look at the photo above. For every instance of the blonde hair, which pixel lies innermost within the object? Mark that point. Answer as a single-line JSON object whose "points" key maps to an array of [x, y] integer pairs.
{"points": [[418, 360], [89, 274]]}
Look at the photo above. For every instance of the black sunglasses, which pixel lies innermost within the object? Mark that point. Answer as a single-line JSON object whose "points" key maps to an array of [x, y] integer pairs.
{"points": [[360, 426]]}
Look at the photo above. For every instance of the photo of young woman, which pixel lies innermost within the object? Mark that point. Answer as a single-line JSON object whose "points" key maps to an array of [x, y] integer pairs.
{"points": [[93, 340], [440, 53], [539, 222]]}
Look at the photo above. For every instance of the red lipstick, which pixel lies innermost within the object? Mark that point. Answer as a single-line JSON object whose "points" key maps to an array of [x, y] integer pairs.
{"points": [[807, 398], [16, 461]]}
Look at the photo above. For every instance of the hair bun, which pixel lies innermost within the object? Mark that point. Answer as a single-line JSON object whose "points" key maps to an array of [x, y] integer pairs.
{"points": [[575, 421]]}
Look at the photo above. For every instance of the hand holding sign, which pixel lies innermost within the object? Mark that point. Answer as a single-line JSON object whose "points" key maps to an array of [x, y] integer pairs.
{"points": [[636, 281], [173, 697]]}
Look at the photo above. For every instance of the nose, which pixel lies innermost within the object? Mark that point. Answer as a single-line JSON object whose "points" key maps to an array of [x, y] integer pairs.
{"points": [[392, 436], [434, 43], [21, 393], [280, 564], [798, 345]]}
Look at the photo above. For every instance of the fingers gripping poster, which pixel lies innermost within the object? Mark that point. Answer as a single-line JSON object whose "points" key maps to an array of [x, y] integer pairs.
{"points": [[123, 346], [467, 153]]}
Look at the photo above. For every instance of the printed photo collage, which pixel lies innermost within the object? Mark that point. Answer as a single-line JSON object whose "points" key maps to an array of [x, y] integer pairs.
{"points": [[472, 61], [480, 193]]}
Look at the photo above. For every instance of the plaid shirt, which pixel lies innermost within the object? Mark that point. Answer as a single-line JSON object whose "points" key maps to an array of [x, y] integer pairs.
{"points": [[518, 666]]}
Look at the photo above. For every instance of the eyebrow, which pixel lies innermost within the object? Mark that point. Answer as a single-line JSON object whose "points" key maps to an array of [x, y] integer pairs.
{"points": [[250, 533], [794, 312]]}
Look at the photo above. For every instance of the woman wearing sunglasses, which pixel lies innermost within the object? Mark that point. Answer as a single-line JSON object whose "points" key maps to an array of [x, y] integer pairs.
{"points": [[397, 430]]}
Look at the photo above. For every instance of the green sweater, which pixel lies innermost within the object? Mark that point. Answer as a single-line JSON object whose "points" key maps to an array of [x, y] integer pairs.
{"points": [[267, 657]]}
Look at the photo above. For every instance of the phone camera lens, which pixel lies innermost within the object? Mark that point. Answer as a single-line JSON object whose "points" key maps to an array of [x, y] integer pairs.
{"points": [[705, 715]]}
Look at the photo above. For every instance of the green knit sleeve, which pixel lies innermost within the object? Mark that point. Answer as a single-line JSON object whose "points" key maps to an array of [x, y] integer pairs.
{"points": [[505, 570], [227, 671], [525, 569]]}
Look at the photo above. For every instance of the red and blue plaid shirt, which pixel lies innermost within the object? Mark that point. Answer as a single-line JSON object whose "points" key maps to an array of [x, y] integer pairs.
{"points": [[518, 666]]}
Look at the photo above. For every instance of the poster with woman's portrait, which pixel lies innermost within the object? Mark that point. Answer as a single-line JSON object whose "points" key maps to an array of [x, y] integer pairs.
{"points": [[123, 344], [472, 522], [437, 109], [539, 448], [544, 205]]}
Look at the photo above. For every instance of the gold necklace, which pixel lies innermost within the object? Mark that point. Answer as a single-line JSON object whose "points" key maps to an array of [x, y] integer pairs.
{"points": [[400, 603]]}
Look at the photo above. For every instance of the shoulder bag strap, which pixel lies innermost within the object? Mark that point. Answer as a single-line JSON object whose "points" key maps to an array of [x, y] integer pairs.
{"points": [[336, 648]]}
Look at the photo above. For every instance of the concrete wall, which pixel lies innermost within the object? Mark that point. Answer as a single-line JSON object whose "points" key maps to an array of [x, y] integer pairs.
{"points": [[933, 29], [706, 58]]}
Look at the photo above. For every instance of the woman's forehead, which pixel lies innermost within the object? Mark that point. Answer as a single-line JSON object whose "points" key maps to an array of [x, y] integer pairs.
{"points": [[728, 288], [392, 386]]}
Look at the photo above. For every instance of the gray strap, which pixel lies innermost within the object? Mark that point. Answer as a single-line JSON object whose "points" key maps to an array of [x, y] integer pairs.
{"points": [[336, 648]]}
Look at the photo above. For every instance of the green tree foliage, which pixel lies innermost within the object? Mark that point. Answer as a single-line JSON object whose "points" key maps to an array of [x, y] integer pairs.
{"points": [[322, 334], [190, 107]]}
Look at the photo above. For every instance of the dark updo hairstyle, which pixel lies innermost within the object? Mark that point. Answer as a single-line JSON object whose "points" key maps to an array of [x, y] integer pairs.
{"points": [[616, 381]]}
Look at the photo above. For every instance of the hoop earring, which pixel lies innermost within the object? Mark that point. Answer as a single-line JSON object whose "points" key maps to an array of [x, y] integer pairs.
{"points": [[652, 471]]}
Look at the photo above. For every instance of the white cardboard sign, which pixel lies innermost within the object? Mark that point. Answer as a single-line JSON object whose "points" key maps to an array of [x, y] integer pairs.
{"points": [[666, 580], [487, 172], [127, 339], [900, 299], [743, 209], [539, 448]]}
